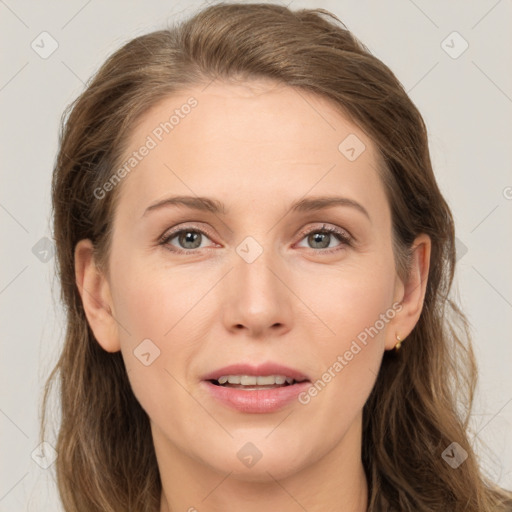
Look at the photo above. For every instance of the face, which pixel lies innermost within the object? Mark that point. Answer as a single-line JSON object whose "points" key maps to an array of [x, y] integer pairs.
{"points": [[288, 270]]}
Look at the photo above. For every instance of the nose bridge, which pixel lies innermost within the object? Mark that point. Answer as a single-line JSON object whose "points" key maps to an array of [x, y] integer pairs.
{"points": [[259, 299]]}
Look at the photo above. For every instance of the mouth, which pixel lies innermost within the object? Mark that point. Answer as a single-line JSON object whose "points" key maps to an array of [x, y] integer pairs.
{"points": [[264, 388]]}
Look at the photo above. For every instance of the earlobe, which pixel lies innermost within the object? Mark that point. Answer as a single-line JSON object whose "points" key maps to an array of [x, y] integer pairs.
{"points": [[94, 291], [413, 291]]}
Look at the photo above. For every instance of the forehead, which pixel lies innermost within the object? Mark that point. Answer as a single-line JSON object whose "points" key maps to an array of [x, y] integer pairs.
{"points": [[245, 143]]}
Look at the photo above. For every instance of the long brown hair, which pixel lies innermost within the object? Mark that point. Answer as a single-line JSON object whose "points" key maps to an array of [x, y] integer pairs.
{"points": [[422, 400]]}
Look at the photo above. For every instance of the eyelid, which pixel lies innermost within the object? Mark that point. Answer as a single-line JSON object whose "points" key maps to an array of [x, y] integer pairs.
{"points": [[326, 227]]}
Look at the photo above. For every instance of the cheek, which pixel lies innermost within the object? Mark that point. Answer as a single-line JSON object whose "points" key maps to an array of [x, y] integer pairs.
{"points": [[157, 342], [155, 308], [356, 304], [151, 300], [350, 297]]}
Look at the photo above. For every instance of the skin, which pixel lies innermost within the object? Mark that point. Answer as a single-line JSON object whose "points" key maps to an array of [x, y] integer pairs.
{"points": [[257, 147]]}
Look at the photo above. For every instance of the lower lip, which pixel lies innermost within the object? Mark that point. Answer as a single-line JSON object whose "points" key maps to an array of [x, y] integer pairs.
{"points": [[258, 400]]}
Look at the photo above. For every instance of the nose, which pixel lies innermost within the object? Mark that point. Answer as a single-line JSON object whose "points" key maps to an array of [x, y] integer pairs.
{"points": [[256, 297]]}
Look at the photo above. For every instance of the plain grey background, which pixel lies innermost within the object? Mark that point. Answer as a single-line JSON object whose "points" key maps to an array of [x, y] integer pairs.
{"points": [[464, 94]]}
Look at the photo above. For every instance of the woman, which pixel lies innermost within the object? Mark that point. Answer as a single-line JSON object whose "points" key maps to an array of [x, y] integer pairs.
{"points": [[256, 262]]}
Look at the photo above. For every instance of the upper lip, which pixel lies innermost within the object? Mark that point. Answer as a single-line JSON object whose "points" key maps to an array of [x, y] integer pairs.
{"points": [[263, 369]]}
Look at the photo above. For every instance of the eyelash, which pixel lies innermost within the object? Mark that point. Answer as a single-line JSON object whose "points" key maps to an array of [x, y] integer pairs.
{"points": [[341, 235]]}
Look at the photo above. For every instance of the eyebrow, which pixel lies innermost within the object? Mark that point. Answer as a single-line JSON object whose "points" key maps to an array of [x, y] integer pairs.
{"points": [[217, 207]]}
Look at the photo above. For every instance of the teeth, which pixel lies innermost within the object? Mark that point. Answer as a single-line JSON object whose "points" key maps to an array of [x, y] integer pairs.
{"points": [[247, 380], [253, 380]]}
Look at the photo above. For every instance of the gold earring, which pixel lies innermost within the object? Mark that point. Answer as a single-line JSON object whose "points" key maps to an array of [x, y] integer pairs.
{"points": [[398, 345]]}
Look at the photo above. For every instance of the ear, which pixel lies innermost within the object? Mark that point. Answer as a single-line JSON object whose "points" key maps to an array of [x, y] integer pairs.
{"points": [[96, 298], [411, 293]]}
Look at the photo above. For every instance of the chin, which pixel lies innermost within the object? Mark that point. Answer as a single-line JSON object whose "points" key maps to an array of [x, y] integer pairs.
{"points": [[260, 460]]}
